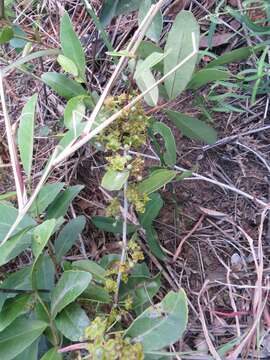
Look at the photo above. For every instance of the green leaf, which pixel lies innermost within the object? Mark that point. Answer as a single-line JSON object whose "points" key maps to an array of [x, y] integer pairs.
{"points": [[144, 81], [72, 321], [68, 236], [62, 85], [45, 197], [12, 309], [169, 155], [68, 288], [8, 217], [60, 205], [152, 209], [71, 45], [235, 56], [155, 29], [71, 135], [52, 354], [43, 274], [41, 236], [6, 34], [112, 8], [147, 48], [19, 280], [111, 225], [30, 353], [74, 111], [163, 324], [179, 46], [67, 65], [97, 272], [150, 62], [114, 180], [17, 42], [18, 336], [206, 76], [143, 293], [153, 243], [156, 180], [26, 133], [192, 127], [97, 293], [15, 245]]}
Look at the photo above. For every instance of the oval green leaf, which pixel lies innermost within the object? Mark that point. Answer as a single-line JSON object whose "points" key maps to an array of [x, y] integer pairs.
{"points": [[69, 287], [67, 65], [26, 133], [179, 46], [169, 155], [163, 324], [192, 127], [72, 321], [156, 180], [114, 180]]}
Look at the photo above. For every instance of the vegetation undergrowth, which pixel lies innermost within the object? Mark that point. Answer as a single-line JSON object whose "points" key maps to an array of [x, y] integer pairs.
{"points": [[108, 309]]}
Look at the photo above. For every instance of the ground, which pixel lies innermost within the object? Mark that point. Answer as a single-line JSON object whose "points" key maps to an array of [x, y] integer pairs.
{"points": [[222, 230]]}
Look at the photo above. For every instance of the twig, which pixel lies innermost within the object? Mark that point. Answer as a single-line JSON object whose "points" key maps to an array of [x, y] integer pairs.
{"points": [[197, 176], [16, 167], [124, 244], [234, 137], [195, 227], [132, 48]]}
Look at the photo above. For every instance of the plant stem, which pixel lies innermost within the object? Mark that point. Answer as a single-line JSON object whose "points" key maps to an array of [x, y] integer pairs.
{"points": [[2, 9], [98, 24], [124, 245]]}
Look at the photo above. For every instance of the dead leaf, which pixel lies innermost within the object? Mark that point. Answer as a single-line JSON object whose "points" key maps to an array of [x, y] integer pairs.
{"points": [[212, 213]]}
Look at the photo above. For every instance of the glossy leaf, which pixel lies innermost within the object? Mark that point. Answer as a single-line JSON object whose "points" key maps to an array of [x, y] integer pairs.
{"points": [[52, 354], [26, 134], [144, 81], [114, 180], [68, 288], [6, 34], [192, 127], [18, 336], [41, 235], [112, 8], [67, 65], [68, 236], [97, 293], [60, 205], [19, 280], [97, 272], [74, 111], [45, 197], [43, 274], [62, 85], [111, 225], [156, 180], [152, 209], [169, 155], [155, 29], [15, 245], [12, 309], [8, 216], [30, 353], [71, 45], [206, 76], [179, 46], [72, 321], [163, 324]]}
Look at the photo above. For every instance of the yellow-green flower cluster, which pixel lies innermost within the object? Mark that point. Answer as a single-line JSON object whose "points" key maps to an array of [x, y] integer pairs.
{"points": [[113, 209], [138, 199], [103, 346]]}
